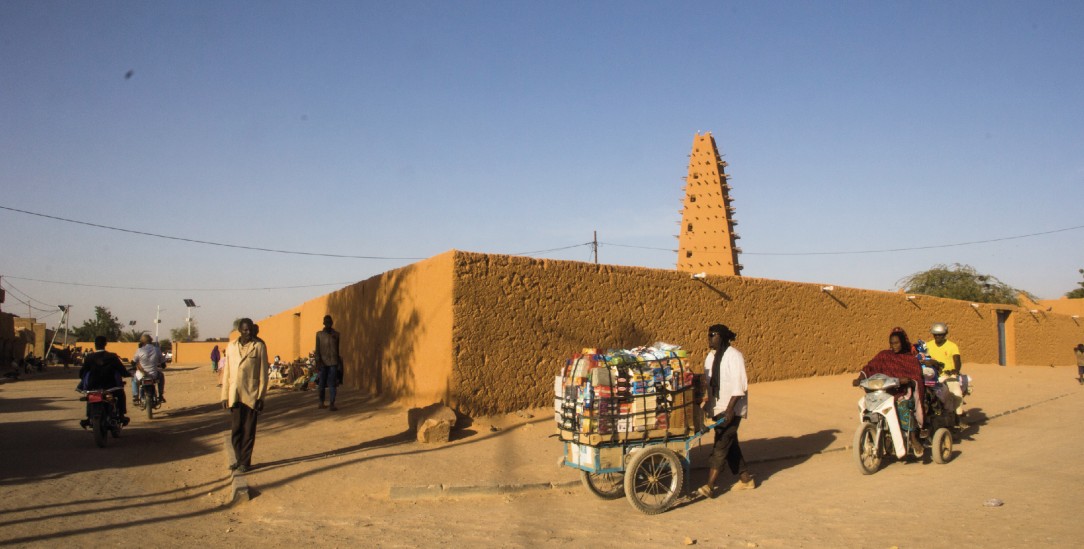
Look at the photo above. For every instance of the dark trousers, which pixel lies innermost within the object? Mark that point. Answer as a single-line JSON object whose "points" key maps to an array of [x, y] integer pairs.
{"points": [[329, 378], [727, 449], [244, 433]]}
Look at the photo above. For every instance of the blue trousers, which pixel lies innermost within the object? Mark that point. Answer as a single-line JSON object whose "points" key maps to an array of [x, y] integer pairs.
{"points": [[329, 378]]}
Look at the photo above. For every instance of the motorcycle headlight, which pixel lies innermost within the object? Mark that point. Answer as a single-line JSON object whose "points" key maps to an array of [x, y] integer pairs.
{"points": [[875, 384]]}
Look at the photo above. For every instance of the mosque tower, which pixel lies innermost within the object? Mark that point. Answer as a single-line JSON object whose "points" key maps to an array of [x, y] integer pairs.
{"points": [[708, 243]]}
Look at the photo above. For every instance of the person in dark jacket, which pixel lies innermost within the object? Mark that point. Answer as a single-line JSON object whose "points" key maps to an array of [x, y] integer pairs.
{"points": [[328, 361], [103, 370], [216, 355]]}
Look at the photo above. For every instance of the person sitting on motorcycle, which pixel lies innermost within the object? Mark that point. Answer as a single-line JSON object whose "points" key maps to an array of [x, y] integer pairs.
{"points": [[900, 363], [148, 360], [103, 370]]}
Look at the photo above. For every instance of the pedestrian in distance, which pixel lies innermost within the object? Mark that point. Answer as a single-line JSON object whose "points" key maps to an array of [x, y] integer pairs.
{"points": [[216, 355], [726, 398], [328, 361], [1079, 351], [244, 386]]}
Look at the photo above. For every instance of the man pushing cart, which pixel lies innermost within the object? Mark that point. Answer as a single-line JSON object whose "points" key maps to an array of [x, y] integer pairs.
{"points": [[629, 419]]}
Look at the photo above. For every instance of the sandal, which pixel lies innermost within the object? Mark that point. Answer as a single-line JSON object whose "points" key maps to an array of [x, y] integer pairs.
{"points": [[705, 491]]}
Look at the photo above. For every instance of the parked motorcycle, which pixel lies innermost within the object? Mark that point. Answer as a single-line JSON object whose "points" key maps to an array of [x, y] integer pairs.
{"points": [[880, 434], [103, 414], [147, 399]]}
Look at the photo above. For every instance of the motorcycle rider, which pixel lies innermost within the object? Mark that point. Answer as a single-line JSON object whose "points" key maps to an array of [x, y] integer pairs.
{"points": [[148, 360], [900, 363], [103, 370], [947, 353]]}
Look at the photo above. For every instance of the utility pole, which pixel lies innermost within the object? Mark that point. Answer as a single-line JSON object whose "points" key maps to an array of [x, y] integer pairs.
{"points": [[67, 317], [157, 321], [594, 247], [189, 303]]}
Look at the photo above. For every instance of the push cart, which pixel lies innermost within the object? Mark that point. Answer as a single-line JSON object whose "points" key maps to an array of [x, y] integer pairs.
{"points": [[651, 473]]}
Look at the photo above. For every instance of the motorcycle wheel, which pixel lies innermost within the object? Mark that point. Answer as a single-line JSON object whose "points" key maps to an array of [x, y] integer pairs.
{"points": [[98, 427], [865, 449], [148, 401], [942, 446]]}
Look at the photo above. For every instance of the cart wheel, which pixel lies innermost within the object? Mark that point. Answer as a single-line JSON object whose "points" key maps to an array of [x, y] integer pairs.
{"points": [[654, 480], [604, 485], [942, 445]]}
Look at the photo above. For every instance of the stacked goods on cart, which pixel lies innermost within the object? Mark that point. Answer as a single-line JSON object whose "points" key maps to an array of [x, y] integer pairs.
{"points": [[626, 394]]}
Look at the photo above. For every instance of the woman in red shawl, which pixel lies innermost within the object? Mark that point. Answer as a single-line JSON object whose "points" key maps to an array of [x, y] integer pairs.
{"points": [[900, 362]]}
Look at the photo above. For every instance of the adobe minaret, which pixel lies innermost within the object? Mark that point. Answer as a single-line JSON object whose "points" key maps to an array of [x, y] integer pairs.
{"points": [[707, 243]]}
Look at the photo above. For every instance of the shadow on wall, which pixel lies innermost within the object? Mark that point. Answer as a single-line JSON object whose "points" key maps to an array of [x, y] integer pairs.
{"points": [[380, 329]]}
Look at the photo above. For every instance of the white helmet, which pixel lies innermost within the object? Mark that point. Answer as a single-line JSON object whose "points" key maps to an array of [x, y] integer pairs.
{"points": [[939, 328]]}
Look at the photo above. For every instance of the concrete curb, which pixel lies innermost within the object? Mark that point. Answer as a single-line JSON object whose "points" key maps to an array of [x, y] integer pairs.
{"points": [[239, 489], [435, 491]]}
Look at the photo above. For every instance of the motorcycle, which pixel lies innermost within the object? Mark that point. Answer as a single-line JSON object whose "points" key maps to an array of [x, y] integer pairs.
{"points": [[880, 435], [103, 414], [147, 399]]}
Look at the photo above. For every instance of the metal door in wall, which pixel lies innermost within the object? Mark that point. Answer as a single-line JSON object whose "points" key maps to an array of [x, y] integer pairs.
{"points": [[1002, 316]]}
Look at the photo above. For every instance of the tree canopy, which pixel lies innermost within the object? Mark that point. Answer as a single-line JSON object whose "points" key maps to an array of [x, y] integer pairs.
{"points": [[961, 282], [131, 335], [1079, 292], [103, 323], [181, 334]]}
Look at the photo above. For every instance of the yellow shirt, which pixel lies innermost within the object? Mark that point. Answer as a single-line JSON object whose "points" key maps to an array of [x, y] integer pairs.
{"points": [[943, 354]]}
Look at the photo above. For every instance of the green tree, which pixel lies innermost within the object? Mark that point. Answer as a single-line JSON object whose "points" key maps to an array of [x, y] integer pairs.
{"points": [[1079, 292], [959, 282], [103, 323], [131, 335], [181, 334]]}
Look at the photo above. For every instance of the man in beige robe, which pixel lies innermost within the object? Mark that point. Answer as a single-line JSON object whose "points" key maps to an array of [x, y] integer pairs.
{"points": [[244, 386]]}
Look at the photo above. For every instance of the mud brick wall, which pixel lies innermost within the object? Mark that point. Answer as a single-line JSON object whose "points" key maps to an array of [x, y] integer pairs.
{"points": [[396, 331], [517, 319], [487, 333]]}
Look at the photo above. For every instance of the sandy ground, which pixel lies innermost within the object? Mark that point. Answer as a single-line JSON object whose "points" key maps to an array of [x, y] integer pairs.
{"points": [[325, 478]]}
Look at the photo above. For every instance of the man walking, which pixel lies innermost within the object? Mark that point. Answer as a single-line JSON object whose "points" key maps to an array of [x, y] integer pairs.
{"points": [[328, 360], [244, 386], [726, 397]]}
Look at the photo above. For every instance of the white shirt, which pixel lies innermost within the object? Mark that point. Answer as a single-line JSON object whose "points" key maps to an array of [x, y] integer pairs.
{"points": [[149, 357], [732, 382]]}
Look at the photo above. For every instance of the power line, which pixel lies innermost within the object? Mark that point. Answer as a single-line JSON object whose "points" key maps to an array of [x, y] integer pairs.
{"points": [[553, 249], [31, 306], [856, 252], [243, 247], [638, 247], [207, 242], [931, 247], [137, 288], [11, 286]]}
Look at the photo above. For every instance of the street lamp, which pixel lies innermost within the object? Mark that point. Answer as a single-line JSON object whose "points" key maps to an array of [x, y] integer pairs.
{"points": [[190, 304]]}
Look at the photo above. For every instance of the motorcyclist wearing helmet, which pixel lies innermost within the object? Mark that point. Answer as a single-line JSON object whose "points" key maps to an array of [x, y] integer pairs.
{"points": [[947, 354]]}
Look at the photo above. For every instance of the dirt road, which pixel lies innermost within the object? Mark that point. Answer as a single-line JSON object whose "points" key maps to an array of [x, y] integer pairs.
{"points": [[324, 479]]}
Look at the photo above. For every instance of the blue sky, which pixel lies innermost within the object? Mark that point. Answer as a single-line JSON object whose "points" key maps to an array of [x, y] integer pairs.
{"points": [[406, 129]]}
